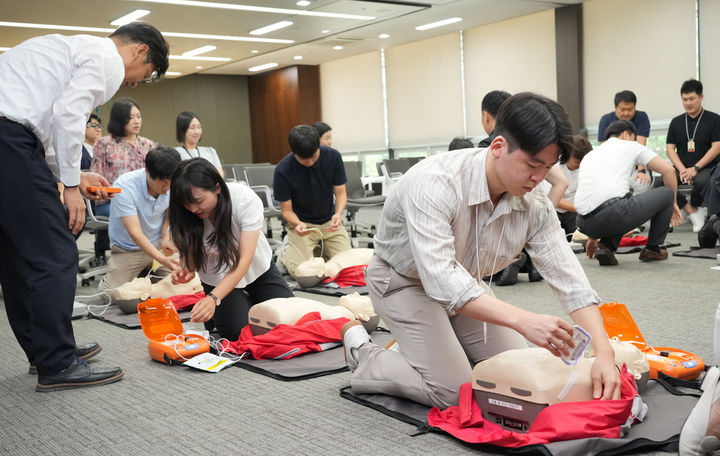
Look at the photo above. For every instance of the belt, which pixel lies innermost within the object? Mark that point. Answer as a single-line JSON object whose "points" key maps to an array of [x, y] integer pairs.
{"points": [[606, 204]]}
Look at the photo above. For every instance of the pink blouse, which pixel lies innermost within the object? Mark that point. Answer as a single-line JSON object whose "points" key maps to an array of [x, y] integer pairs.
{"points": [[115, 156]]}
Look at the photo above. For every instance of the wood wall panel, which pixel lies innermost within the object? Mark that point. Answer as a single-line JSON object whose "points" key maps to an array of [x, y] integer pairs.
{"points": [[279, 100]]}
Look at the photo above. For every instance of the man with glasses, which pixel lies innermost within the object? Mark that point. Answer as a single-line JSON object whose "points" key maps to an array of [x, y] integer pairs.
{"points": [[50, 85], [93, 132]]}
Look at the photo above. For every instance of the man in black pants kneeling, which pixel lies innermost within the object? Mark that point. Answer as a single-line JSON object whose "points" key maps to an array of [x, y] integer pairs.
{"points": [[604, 201]]}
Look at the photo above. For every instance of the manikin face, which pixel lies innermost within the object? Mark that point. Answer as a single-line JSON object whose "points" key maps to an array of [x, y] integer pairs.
{"points": [[625, 110], [157, 187], [205, 202], [518, 171], [326, 139], [135, 122], [194, 131], [308, 161], [692, 102]]}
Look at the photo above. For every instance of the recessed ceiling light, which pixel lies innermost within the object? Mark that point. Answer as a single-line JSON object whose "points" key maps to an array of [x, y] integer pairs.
{"points": [[325, 31], [254, 51], [130, 17], [431, 25], [271, 28], [198, 67], [303, 3], [298, 57], [199, 57], [383, 35], [77, 28], [172, 73], [200, 50], [263, 67], [337, 48], [261, 9]]}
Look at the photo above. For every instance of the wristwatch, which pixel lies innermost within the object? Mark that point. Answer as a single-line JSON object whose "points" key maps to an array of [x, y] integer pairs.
{"points": [[697, 170], [215, 298]]}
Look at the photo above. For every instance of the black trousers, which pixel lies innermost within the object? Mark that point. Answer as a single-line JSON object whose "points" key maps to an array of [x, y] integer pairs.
{"points": [[231, 316], [698, 188], [617, 216], [568, 221], [38, 265]]}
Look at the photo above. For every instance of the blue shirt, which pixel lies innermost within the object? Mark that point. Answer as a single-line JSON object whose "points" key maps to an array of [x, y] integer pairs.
{"points": [[136, 200], [640, 120], [311, 189]]}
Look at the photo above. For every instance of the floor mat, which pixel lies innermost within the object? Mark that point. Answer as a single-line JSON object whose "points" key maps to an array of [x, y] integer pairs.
{"points": [[699, 253], [327, 291], [638, 248], [117, 317], [307, 366], [659, 432]]}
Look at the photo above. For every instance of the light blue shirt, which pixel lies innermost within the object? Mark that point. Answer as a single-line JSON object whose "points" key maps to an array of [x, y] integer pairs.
{"points": [[134, 199]]}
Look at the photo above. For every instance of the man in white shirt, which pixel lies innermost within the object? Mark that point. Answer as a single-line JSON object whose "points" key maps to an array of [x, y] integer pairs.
{"points": [[605, 204], [49, 86], [452, 219]]}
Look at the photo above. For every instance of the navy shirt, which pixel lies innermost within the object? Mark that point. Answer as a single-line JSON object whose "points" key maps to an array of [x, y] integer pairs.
{"points": [[640, 120], [311, 189], [708, 132]]}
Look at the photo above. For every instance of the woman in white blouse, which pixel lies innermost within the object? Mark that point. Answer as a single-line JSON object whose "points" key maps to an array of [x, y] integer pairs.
{"points": [[188, 131]]}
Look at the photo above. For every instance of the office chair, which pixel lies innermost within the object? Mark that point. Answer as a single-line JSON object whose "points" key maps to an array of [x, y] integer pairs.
{"points": [[357, 198], [93, 223], [260, 178]]}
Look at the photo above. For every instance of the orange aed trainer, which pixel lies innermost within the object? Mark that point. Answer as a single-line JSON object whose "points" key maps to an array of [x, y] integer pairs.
{"points": [[671, 361], [161, 324], [107, 189]]}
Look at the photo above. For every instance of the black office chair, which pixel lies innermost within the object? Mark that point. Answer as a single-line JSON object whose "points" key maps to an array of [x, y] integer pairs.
{"points": [[260, 178], [359, 197], [93, 223]]}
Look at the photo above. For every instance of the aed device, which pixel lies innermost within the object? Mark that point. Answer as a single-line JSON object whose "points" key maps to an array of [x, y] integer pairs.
{"points": [[107, 189], [671, 361], [161, 324]]}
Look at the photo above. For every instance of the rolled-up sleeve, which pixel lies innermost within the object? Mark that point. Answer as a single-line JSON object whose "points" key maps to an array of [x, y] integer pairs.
{"points": [[429, 210]]}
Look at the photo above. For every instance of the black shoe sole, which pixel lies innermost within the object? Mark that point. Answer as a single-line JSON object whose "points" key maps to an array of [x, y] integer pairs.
{"points": [[72, 385], [508, 276]]}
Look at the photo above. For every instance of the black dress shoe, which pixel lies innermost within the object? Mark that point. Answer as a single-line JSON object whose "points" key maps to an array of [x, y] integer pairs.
{"points": [[508, 276], [85, 351], [707, 237], [534, 275], [605, 256], [78, 375]]}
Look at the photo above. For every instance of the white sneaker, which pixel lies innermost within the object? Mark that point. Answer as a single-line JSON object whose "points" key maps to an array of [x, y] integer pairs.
{"points": [[698, 219], [353, 335], [694, 438]]}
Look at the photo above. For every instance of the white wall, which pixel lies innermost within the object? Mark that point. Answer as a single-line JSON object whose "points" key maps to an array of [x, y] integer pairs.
{"points": [[709, 61]]}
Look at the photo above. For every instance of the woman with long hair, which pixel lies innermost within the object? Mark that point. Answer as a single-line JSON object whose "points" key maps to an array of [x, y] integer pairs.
{"points": [[217, 228]]}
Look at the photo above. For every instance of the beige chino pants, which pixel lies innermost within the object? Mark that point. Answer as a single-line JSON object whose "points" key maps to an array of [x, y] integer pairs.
{"points": [[300, 248]]}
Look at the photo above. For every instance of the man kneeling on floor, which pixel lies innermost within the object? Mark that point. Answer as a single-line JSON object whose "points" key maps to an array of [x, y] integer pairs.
{"points": [[451, 220], [605, 204], [139, 227]]}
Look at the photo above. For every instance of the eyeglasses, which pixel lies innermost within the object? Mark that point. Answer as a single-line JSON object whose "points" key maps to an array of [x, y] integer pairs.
{"points": [[150, 79], [93, 125]]}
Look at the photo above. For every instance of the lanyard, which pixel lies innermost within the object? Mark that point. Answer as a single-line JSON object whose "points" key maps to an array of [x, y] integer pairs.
{"points": [[198, 150], [687, 132]]}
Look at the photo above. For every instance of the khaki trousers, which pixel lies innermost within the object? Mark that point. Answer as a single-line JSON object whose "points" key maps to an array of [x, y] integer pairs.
{"points": [[300, 248], [437, 352], [125, 265]]}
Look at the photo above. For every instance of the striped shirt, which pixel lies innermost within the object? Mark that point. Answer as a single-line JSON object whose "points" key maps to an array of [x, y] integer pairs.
{"points": [[438, 225]]}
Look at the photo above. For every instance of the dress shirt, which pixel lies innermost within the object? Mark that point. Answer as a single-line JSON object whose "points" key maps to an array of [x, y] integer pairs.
{"points": [[439, 225], [51, 83]]}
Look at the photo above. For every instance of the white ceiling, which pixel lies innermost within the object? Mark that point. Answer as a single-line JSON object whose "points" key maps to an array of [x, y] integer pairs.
{"points": [[395, 18]]}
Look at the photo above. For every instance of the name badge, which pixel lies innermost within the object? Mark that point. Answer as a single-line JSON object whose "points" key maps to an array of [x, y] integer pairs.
{"points": [[691, 146]]}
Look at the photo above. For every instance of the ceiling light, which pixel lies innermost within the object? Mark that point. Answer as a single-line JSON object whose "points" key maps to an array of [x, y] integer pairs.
{"points": [[261, 9], [130, 17], [3, 49], [172, 73], [337, 48], [325, 31], [263, 67], [431, 25], [171, 34], [298, 57], [200, 50], [271, 28], [254, 51], [199, 57], [303, 3], [383, 35], [198, 67]]}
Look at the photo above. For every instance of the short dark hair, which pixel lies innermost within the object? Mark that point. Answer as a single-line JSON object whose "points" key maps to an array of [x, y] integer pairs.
{"points": [[161, 162], [460, 143], [93, 116], [492, 101], [625, 96], [182, 123], [304, 141], [618, 127], [691, 85], [532, 122], [580, 147], [140, 32], [321, 127], [120, 116]]}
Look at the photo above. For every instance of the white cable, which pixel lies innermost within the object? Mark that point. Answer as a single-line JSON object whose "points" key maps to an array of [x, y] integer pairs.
{"points": [[477, 261]]}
